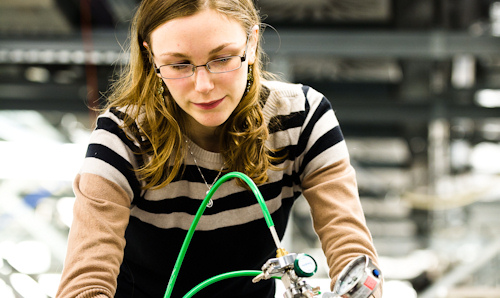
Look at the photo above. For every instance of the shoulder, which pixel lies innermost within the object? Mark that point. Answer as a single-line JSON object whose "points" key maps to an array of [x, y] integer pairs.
{"points": [[120, 114], [291, 90], [125, 119], [284, 89], [287, 98], [283, 98]]}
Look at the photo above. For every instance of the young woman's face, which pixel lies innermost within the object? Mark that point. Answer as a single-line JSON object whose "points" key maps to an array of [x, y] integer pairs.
{"points": [[208, 98]]}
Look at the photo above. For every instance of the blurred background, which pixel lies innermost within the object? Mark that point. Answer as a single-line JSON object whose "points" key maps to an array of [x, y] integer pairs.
{"points": [[415, 86]]}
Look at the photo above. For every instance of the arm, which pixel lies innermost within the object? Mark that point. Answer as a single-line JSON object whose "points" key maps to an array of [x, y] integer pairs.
{"points": [[338, 217], [96, 239]]}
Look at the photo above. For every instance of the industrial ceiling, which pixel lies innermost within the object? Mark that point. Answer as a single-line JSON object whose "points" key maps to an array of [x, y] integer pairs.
{"points": [[373, 57]]}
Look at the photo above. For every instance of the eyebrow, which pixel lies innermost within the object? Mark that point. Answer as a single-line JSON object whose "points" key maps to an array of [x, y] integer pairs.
{"points": [[181, 55]]}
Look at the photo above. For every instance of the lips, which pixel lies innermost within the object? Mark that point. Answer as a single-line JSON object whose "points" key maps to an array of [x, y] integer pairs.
{"points": [[209, 105]]}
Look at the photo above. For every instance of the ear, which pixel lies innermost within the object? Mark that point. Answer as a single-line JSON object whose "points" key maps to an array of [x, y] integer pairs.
{"points": [[145, 44], [252, 46]]}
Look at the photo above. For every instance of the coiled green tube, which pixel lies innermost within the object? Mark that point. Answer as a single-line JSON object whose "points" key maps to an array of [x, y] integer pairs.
{"points": [[220, 277], [199, 213]]}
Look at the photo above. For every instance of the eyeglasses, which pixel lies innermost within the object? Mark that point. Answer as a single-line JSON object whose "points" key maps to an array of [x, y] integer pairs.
{"points": [[220, 65]]}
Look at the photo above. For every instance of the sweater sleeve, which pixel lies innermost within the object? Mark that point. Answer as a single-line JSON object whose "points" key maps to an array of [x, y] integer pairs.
{"points": [[338, 218], [96, 239]]}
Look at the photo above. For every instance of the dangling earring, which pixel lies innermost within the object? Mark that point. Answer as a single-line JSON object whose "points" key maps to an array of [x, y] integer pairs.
{"points": [[249, 78], [160, 89]]}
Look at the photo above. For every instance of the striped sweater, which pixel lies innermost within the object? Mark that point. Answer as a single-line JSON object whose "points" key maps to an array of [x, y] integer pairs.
{"points": [[124, 241]]}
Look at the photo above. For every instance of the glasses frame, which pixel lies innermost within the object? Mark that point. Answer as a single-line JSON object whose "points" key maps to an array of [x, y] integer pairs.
{"points": [[206, 65]]}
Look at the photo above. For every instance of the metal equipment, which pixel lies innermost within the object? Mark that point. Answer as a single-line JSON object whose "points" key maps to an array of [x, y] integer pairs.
{"points": [[358, 279]]}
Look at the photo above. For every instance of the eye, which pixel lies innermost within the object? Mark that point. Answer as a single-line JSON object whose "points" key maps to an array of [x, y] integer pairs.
{"points": [[223, 60], [179, 66]]}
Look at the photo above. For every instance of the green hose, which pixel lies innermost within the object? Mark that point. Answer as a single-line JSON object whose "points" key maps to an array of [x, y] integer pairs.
{"points": [[220, 277], [199, 213]]}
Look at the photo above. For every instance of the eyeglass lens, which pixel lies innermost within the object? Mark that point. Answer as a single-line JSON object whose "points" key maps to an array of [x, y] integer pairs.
{"points": [[177, 71]]}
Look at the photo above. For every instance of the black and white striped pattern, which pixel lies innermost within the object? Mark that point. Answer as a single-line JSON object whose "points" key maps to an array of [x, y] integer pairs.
{"points": [[308, 130]]}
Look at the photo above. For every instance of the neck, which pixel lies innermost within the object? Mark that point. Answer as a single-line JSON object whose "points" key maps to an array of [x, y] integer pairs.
{"points": [[206, 142], [203, 136]]}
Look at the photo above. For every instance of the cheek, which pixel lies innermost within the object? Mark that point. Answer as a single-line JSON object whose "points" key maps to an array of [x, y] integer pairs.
{"points": [[176, 87], [239, 80]]}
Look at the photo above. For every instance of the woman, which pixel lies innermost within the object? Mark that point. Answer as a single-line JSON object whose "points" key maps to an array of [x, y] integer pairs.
{"points": [[193, 105]]}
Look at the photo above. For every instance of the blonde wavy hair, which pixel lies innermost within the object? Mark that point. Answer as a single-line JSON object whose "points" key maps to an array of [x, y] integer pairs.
{"points": [[162, 122]]}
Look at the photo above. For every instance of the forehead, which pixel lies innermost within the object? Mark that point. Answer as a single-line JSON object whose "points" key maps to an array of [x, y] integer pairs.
{"points": [[197, 33]]}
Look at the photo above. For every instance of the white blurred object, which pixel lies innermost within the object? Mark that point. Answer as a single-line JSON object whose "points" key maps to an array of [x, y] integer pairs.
{"points": [[49, 161], [6, 247], [463, 72], [21, 126], [37, 74], [49, 283], [488, 98], [26, 286], [398, 289], [32, 148], [495, 18], [6, 290], [30, 257], [65, 210], [485, 158]]}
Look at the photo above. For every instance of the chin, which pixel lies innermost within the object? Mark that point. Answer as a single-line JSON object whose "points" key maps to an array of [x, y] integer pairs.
{"points": [[212, 122]]}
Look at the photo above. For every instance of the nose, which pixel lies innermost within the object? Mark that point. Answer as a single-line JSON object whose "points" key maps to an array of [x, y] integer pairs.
{"points": [[203, 81]]}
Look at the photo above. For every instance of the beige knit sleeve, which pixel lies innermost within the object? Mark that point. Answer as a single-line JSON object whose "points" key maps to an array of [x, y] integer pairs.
{"points": [[96, 239], [338, 217]]}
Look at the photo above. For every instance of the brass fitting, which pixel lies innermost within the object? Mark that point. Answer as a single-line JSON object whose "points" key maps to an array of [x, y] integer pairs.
{"points": [[281, 252]]}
